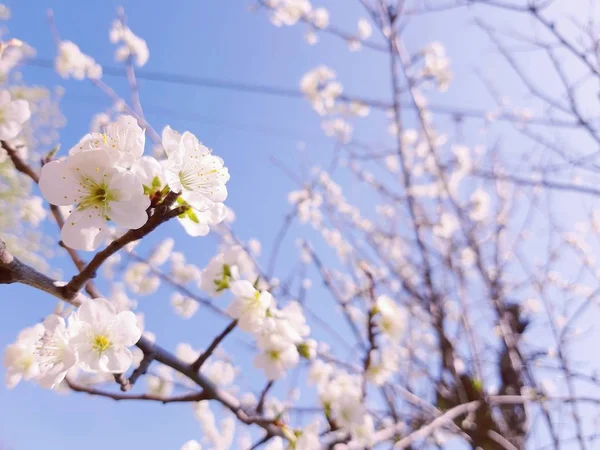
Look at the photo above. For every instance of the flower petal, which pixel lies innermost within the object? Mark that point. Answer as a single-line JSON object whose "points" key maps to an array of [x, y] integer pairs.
{"points": [[99, 313], [131, 213], [58, 185], [124, 331], [118, 360], [9, 129], [84, 229], [18, 110]]}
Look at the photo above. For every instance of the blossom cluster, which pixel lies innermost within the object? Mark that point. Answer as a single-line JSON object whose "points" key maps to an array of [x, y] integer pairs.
{"points": [[132, 46], [71, 62], [281, 334], [436, 65], [106, 179], [95, 338]]}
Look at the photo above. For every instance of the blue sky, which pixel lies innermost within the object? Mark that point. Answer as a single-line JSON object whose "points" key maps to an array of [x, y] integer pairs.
{"points": [[221, 40]]}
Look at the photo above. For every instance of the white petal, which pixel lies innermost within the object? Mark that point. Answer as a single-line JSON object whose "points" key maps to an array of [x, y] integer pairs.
{"points": [[84, 230], [242, 288], [89, 359], [52, 322], [51, 379], [9, 130], [58, 185], [192, 228], [13, 378], [4, 97], [18, 110], [131, 213], [146, 169], [124, 330], [127, 184], [118, 360], [170, 141], [98, 312]]}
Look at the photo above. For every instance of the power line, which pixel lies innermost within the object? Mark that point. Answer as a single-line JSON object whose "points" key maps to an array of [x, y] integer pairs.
{"points": [[187, 80], [190, 80]]}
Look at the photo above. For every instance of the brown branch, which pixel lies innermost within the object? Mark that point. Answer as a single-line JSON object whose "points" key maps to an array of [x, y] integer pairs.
{"points": [[193, 397], [142, 369], [12, 270], [263, 397], [162, 213], [26, 169], [196, 365]]}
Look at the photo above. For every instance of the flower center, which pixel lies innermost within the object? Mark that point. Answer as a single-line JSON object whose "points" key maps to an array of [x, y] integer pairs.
{"points": [[273, 355], [101, 343], [193, 178], [98, 197]]}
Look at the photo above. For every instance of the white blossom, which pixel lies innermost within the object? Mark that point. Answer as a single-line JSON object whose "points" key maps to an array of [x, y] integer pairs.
{"points": [[249, 306], [191, 445], [13, 114], [123, 139], [320, 18], [140, 280], [132, 46], [391, 318], [276, 357], [289, 12], [364, 29], [192, 170], [71, 62], [55, 353], [321, 89], [184, 306], [103, 336], [99, 191], [20, 358], [227, 266]]}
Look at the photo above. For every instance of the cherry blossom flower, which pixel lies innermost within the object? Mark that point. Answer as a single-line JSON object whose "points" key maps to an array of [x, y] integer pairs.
{"points": [[123, 139], [320, 18], [364, 29], [218, 274], [140, 280], [14, 53], [184, 306], [276, 357], [321, 89], [249, 306], [149, 172], [437, 65], [55, 353], [33, 211], [289, 12], [161, 252], [13, 114], [71, 62], [103, 337], [193, 171], [480, 205], [132, 45], [348, 410], [20, 357], [197, 220], [191, 445], [308, 438], [100, 192], [391, 318]]}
